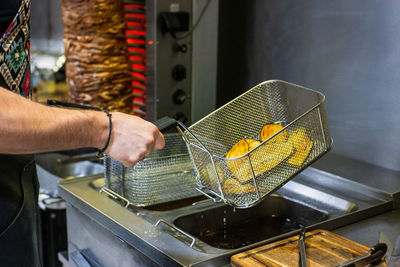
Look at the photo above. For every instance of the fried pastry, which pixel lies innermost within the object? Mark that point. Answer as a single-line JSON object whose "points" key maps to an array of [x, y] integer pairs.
{"points": [[252, 143], [303, 144], [208, 175], [263, 159], [270, 129], [232, 186], [239, 149]]}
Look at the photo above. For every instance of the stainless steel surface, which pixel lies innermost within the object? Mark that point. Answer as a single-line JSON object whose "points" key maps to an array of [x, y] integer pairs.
{"points": [[65, 166], [53, 167], [378, 177], [79, 259], [161, 57], [135, 227], [200, 61], [349, 49], [193, 239], [165, 175], [102, 247], [204, 59], [115, 196], [211, 138], [367, 231], [393, 254]]}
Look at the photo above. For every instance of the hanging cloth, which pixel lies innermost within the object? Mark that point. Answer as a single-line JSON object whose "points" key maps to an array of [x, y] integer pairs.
{"points": [[19, 228], [14, 53]]}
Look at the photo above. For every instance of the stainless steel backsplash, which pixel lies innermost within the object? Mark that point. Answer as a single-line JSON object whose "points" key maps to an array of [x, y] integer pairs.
{"points": [[349, 50]]}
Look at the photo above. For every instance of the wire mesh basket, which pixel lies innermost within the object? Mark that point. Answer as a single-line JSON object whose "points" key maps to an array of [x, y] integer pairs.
{"points": [[245, 180], [165, 175]]}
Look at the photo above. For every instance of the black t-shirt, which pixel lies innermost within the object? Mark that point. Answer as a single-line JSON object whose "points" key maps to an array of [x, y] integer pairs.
{"points": [[8, 10]]}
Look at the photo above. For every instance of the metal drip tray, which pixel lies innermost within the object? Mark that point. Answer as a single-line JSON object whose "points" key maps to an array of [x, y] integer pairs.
{"points": [[229, 228]]}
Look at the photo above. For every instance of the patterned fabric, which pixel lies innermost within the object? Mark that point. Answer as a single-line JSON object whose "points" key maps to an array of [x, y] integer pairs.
{"points": [[14, 53]]}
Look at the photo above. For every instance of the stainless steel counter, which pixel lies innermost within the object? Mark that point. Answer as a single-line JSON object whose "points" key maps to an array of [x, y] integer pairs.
{"points": [[107, 233], [371, 175], [367, 231]]}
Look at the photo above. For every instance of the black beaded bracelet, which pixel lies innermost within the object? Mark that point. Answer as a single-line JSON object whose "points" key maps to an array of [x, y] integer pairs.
{"points": [[101, 151]]}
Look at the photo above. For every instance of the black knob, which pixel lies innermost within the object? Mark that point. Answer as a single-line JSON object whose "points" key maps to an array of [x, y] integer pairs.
{"points": [[179, 72], [183, 48], [180, 116], [179, 96]]}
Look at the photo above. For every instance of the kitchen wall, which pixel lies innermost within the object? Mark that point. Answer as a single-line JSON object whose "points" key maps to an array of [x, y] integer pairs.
{"points": [[349, 50], [46, 26]]}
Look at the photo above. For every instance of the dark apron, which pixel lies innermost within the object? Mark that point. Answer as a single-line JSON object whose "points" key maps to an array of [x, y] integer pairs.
{"points": [[19, 238], [19, 241]]}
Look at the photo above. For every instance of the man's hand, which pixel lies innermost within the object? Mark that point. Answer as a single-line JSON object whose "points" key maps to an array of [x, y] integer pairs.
{"points": [[132, 138], [29, 127]]}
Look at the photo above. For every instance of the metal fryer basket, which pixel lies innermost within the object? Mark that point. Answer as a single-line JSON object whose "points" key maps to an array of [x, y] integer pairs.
{"points": [[254, 175], [165, 175]]}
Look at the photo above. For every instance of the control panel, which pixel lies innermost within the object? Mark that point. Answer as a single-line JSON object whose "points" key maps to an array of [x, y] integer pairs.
{"points": [[169, 59]]}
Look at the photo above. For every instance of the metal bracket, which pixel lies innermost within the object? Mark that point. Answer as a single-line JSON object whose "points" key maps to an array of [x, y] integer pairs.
{"points": [[216, 199], [177, 229], [79, 259], [115, 196]]}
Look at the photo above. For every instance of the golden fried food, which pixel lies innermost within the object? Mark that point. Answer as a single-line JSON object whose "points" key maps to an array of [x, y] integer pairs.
{"points": [[208, 175], [270, 129], [303, 144], [252, 143], [232, 186], [263, 159], [240, 148]]}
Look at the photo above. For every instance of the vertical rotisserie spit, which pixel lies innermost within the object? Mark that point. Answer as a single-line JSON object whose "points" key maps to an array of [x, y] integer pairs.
{"points": [[97, 62]]}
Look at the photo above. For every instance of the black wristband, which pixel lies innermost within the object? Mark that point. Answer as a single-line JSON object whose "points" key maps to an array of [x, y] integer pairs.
{"points": [[101, 151]]}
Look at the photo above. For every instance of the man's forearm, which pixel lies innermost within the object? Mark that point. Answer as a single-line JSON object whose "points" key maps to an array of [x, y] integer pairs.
{"points": [[29, 127]]}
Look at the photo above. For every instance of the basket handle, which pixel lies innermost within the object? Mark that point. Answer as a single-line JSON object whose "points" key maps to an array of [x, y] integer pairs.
{"points": [[165, 123], [51, 102]]}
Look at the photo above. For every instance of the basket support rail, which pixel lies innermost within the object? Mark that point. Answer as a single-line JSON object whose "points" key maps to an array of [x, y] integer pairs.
{"points": [[216, 199], [253, 176], [183, 126], [115, 196], [322, 127], [177, 229]]}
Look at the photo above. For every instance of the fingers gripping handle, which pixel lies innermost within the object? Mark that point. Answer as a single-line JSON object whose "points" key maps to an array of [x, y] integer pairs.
{"points": [[166, 123]]}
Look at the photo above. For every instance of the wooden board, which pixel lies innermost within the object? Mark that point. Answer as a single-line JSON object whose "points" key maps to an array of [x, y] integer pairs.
{"points": [[323, 248]]}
